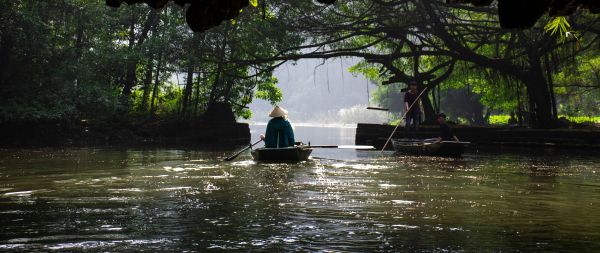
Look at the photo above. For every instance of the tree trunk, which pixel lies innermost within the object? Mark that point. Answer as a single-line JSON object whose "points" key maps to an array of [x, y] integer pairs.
{"points": [[229, 86], [428, 109], [540, 101], [130, 66], [130, 75], [553, 97], [215, 87], [147, 85], [189, 85], [474, 109], [477, 115], [519, 105], [130, 79], [197, 100], [551, 87], [214, 93], [434, 96], [79, 37], [155, 91], [6, 46]]}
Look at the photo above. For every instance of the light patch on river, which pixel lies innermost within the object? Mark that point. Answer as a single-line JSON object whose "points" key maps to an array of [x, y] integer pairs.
{"points": [[129, 200]]}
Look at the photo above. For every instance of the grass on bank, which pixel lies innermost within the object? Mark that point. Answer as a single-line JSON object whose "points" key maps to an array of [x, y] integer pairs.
{"points": [[498, 120], [503, 119]]}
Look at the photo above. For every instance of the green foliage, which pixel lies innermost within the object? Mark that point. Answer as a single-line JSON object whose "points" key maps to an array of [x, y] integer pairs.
{"points": [[561, 27], [503, 119], [368, 70], [577, 86], [45, 61], [499, 119], [168, 103], [269, 91], [583, 119], [77, 59], [245, 113], [71, 59], [389, 96], [460, 51], [558, 24]]}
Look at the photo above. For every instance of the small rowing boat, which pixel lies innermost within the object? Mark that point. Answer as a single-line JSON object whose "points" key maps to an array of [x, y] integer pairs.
{"points": [[289, 154], [430, 147]]}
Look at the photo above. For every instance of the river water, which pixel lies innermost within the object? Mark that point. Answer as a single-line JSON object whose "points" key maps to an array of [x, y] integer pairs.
{"points": [[185, 200]]}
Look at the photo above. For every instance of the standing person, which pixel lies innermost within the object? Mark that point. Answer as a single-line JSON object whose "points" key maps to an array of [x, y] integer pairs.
{"points": [[413, 116], [279, 130], [446, 133]]}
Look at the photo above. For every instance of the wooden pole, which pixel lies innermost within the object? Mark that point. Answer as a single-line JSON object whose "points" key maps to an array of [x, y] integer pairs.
{"points": [[410, 107], [231, 157]]}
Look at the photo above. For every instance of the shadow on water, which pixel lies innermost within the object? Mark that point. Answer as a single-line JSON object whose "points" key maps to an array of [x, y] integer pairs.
{"points": [[189, 200]]}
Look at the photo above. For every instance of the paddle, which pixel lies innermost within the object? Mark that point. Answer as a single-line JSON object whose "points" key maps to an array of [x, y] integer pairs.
{"points": [[343, 147], [231, 157], [377, 108]]}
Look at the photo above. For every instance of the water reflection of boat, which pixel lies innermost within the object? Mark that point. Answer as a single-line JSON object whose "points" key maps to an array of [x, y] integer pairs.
{"points": [[430, 147], [289, 154]]}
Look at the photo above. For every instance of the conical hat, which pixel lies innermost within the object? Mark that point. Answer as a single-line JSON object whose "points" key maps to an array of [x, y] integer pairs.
{"points": [[278, 112]]}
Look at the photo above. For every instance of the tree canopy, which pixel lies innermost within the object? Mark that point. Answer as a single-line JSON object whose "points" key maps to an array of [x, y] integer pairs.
{"points": [[74, 59], [431, 42]]}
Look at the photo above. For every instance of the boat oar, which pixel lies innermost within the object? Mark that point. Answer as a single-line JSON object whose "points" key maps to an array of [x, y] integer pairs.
{"points": [[231, 157], [403, 116], [343, 147], [377, 108]]}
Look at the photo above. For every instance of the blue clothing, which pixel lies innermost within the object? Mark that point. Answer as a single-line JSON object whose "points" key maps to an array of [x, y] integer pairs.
{"points": [[279, 130]]}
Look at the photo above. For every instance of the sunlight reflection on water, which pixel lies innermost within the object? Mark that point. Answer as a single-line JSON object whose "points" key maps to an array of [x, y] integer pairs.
{"points": [[185, 200]]}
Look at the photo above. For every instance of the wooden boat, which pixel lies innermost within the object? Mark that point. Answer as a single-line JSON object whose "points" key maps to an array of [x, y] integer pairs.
{"points": [[289, 154], [430, 147]]}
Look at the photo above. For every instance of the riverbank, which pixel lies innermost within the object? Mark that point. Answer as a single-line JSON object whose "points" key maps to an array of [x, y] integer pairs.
{"points": [[116, 133], [376, 135]]}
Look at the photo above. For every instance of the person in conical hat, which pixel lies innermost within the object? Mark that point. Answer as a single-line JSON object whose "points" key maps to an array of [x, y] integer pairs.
{"points": [[278, 112], [280, 133]]}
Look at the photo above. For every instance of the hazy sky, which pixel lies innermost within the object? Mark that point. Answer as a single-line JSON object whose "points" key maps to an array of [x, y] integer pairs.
{"points": [[311, 89]]}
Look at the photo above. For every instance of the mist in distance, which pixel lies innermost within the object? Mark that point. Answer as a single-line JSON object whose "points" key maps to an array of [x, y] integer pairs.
{"points": [[322, 92]]}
